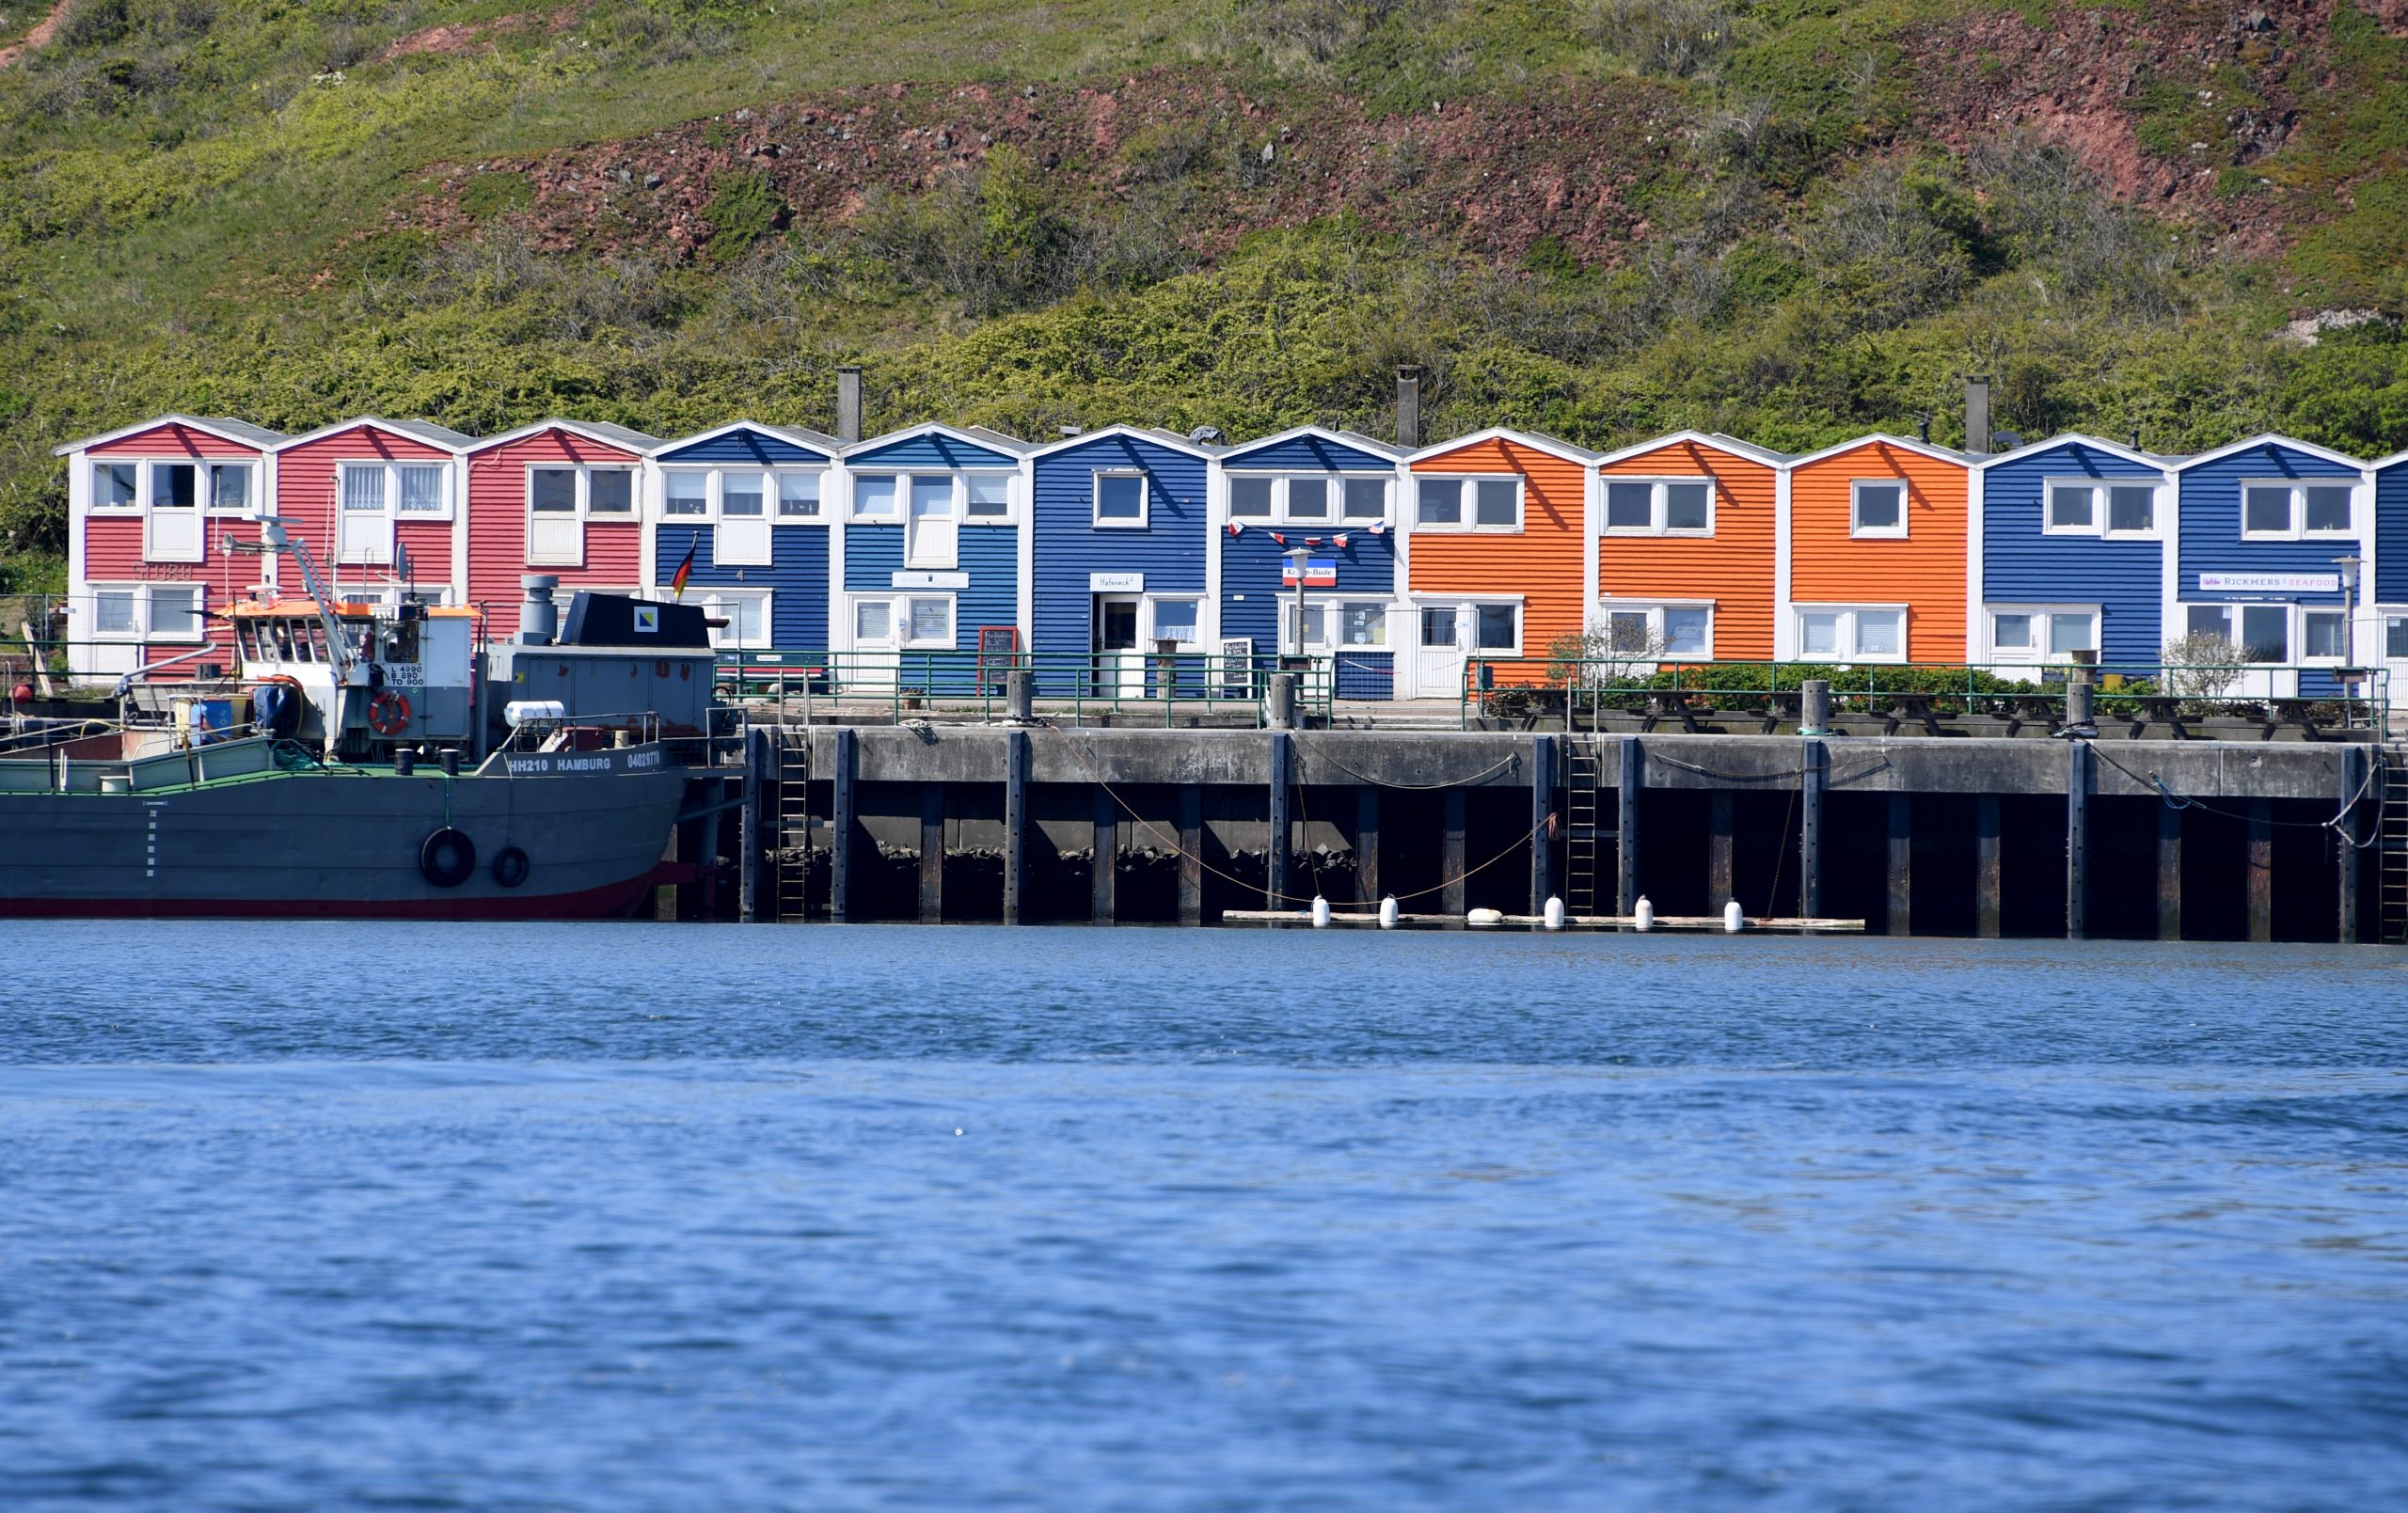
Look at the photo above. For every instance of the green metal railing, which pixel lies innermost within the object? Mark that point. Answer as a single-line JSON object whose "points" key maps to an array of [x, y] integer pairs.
{"points": [[1128, 688], [1573, 689]]}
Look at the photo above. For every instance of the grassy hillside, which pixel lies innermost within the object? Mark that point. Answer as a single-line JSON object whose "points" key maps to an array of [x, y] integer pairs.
{"points": [[1794, 220]]}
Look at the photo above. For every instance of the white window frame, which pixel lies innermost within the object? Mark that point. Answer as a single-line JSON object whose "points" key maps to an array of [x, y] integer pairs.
{"points": [[962, 496], [141, 484], [1471, 649], [1848, 613], [682, 472], [1144, 500], [2038, 653], [1333, 605], [777, 477], [1654, 610], [1153, 609], [1860, 531], [209, 505], [145, 617], [710, 594], [902, 622], [392, 470], [899, 497], [2294, 628], [2302, 655], [2101, 490], [1659, 503], [584, 514], [1468, 524], [2297, 530], [1337, 519]]}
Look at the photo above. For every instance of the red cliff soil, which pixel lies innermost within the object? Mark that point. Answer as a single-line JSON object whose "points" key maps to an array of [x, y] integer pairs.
{"points": [[41, 33]]}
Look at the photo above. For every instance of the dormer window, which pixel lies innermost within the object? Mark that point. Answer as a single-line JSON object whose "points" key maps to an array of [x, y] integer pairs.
{"points": [[1659, 507], [2291, 511], [2085, 507], [1878, 508]]}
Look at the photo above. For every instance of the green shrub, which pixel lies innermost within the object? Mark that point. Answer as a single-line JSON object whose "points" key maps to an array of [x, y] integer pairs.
{"points": [[496, 193], [744, 208]]}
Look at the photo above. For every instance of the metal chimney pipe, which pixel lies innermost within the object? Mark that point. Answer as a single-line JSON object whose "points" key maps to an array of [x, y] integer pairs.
{"points": [[849, 402], [1408, 407], [539, 618], [1978, 413]]}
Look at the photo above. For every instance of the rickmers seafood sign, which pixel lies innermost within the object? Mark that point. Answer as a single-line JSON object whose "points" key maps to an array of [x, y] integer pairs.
{"points": [[2270, 582]]}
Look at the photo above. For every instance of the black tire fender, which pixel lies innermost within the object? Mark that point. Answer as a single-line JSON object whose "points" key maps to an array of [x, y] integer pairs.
{"points": [[510, 866], [446, 857]]}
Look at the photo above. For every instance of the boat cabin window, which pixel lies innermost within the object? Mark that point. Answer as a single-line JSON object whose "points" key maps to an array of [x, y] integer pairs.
{"points": [[400, 641]]}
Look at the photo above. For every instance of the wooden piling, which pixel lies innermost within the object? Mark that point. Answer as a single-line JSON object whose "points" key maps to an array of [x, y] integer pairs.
{"points": [[748, 826], [1455, 890], [1721, 884], [1367, 846], [1902, 855], [1191, 860], [1814, 775], [1103, 893], [1015, 823], [2261, 870], [1630, 773], [1987, 893], [2076, 840], [931, 853], [2169, 873], [1543, 749], [840, 833], [1275, 863]]}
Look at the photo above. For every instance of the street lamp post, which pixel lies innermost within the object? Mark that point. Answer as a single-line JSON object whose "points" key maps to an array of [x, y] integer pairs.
{"points": [[1297, 556]]}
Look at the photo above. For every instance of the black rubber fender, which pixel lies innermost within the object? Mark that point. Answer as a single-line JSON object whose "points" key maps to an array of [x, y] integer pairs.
{"points": [[446, 857], [510, 866]]}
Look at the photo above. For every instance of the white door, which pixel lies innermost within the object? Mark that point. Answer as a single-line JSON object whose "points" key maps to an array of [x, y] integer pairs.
{"points": [[869, 667], [555, 533], [2391, 654], [743, 537], [1120, 664], [174, 534], [107, 642], [364, 528], [935, 533], [1439, 637]]}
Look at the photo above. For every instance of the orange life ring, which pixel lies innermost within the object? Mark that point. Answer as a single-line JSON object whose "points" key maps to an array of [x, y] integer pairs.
{"points": [[388, 712]]}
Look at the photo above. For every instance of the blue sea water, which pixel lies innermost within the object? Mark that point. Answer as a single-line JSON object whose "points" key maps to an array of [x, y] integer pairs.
{"points": [[685, 1217]]}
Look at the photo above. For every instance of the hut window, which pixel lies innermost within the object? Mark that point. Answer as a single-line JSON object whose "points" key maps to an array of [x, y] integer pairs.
{"points": [[229, 486], [1175, 620], [610, 491], [686, 494], [113, 486], [174, 614], [421, 489], [991, 496], [874, 497], [2322, 637], [113, 612], [1120, 499], [172, 486], [1250, 498], [1308, 499], [1854, 633], [1362, 624], [1877, 508], [798, 496], [1441, 501], [2132, 507], [2286, 511], [928, 621], [1367, 499], [1497, 627], [1660, 507], [1499, 504]]}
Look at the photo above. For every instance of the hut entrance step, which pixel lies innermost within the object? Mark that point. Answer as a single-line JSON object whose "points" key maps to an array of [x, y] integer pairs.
{"points": [[2394, 846], [790, 842]]}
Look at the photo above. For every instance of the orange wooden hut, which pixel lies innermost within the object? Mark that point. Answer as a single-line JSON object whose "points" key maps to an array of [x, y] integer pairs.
{"points": [[1688, 547], [1875, 554]]}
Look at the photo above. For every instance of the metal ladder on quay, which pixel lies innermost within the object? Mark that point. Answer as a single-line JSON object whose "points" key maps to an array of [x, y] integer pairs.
{"points": [[2393, 846], [790, 844], [1584, 837]]}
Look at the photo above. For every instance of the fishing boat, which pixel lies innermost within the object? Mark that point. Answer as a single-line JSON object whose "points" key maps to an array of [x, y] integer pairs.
{"points": [[373, 760]]}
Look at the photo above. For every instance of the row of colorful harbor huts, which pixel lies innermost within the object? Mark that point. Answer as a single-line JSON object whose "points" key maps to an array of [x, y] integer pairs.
{"points": [[1104, 547]]}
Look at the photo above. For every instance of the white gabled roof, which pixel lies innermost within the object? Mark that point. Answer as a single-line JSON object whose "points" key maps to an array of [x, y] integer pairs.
{"points": [[1747, 451], [1937, 453], [1159, 437], [425, 431], [241, 432], [2078, 438], [2268, 439], [2380, 464], [1355, 439], [798, 435], [1549, 445], [601, 431], [983, 436]]}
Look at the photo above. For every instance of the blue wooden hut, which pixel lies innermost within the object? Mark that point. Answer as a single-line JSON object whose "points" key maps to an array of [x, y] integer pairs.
{"points": [[932, 556], [2071, 541], [1123, 556], [2262, 524], [1332, 494], [750, 505]]}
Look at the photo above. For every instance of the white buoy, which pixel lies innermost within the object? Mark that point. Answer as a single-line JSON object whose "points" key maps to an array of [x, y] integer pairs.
{"points": [[1485, 917], [1552, 916], [1644, 915], [1733, 920], [1388, 913], [1320, 912]]}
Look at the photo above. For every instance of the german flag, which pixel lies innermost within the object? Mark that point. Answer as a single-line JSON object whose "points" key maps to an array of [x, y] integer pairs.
{"points": [[685, 569]]}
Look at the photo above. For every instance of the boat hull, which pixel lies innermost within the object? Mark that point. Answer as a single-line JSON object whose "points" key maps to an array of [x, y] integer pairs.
{"points": [[340, 845]]}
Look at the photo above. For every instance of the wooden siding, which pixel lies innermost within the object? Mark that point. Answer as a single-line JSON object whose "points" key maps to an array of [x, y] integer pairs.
{"points": [[1733, 567], [498, 527], [113, 547], [1542, 562], [2211, 541], [305, 497], [745, 445], [2391, 540], [796, 576], [931, 449], [1169, 551], [1251, 564], [1307, 454], [2022, 564], [172, 441], [1926, 570]]}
